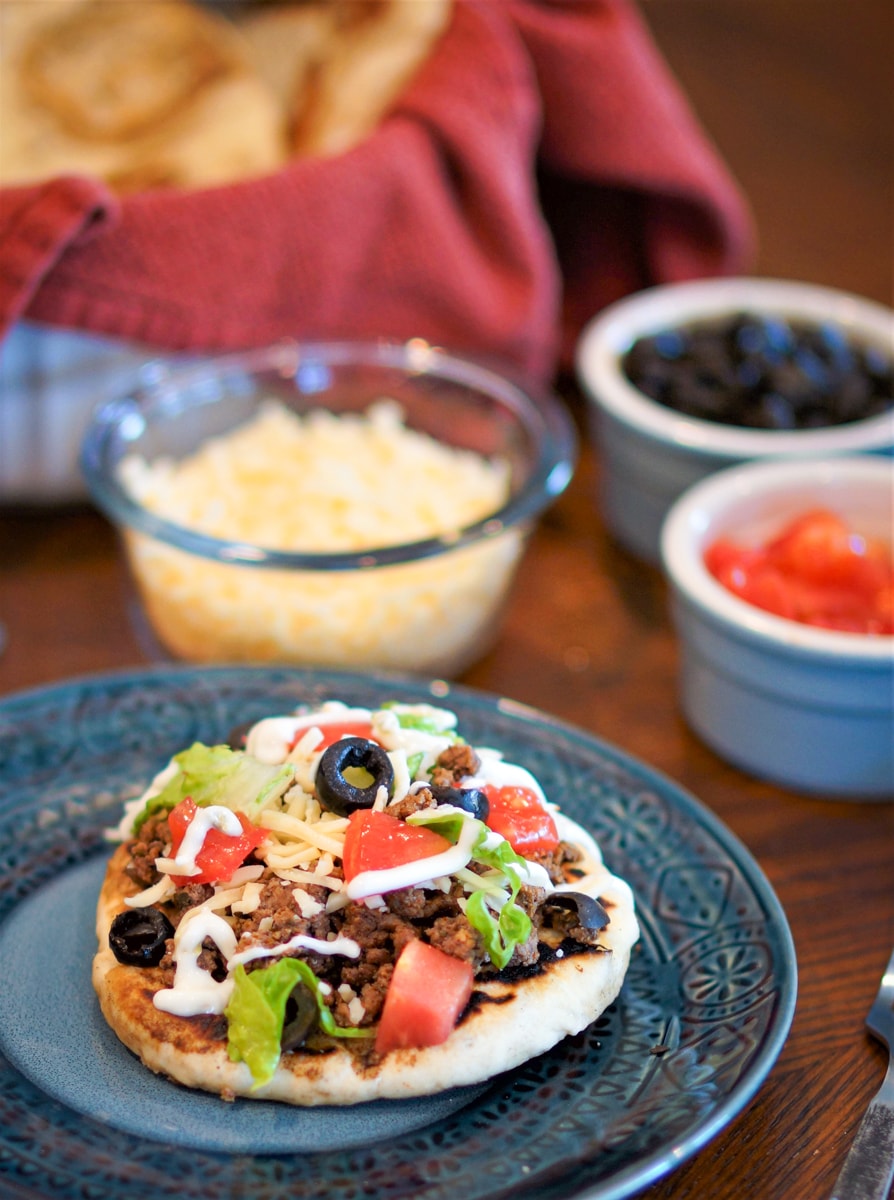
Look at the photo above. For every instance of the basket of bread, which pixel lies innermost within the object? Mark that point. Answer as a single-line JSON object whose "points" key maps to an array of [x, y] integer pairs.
{"points": [[186, 177], [181, 93]]}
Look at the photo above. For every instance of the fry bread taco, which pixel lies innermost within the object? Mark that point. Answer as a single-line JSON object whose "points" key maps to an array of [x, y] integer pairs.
{"points": [[349, 904]]}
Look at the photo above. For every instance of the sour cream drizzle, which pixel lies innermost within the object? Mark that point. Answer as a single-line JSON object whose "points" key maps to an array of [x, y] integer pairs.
{"points": [[496, 771], [271, 738], [195, 991], [277, 739], [345, 946]]}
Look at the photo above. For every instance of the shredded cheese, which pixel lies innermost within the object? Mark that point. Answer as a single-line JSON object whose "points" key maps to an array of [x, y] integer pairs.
{"points": [[327, 881], [307, 905], [317, 836], [249, 900], [323, 483], [152, 895]]}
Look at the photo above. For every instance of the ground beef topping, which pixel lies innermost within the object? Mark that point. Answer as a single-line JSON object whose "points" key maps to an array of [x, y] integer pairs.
{"points": [[186, 897], [455, 936], [417, 904], [559, 864], [454, 764], [152, 841], [381, 935], [411, 803]]}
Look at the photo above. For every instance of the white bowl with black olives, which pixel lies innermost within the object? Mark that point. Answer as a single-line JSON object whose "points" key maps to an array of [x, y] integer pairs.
{"points": [[685, 379]]}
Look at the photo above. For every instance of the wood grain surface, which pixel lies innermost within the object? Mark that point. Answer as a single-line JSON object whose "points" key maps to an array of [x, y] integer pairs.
{"points": [[797, 94]]}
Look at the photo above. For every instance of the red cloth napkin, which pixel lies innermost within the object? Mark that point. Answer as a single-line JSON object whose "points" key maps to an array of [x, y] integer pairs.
{"points": [[542, 163]]}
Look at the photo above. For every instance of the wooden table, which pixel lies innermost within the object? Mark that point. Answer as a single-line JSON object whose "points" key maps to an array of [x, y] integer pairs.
{"points": [[795, 92]]}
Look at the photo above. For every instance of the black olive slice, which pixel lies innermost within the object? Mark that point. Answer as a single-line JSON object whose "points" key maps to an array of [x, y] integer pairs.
{"points": [[301, 1016], [138, 935], [238, 735], [336, 792], [589, 912], [471, 800]]}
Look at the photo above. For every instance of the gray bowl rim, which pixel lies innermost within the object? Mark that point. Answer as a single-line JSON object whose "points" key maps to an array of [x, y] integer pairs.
{"points": [[540, 410], [695, 587], [611, 332]]}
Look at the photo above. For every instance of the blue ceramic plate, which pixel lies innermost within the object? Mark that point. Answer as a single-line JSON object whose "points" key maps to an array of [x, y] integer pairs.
{"points": [[705, 1008]]}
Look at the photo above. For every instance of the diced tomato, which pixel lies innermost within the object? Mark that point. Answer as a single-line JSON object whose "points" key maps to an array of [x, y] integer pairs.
{"points": [[766, 587], [221, 854], [882, 617], [518, 814], [727, 560], [334, 731], [818, 546], [816, 571], [426, 996], [812, 545], [376, 841]]}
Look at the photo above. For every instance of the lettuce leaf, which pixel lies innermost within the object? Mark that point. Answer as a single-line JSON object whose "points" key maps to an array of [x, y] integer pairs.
{"points": [[498, 856], [425, 718], [256, 1011], [501, 933], [220, 775], [414, 762], [255, 1015], [448, 824]]}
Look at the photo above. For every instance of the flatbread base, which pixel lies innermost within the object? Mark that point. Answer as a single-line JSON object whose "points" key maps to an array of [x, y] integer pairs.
{"points": [[509, 1020]]}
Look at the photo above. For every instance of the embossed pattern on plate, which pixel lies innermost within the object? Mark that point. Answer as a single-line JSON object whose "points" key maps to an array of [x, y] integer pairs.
{"points": [[712, 982]]}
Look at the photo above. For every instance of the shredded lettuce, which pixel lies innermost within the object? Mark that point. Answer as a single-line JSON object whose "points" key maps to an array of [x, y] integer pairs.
{"points": [[500, 856], [425, 718], [503, 932], [449, 824], [255, 1015], [220, 775], [414, 762], [256, 1012], [513, 926]]}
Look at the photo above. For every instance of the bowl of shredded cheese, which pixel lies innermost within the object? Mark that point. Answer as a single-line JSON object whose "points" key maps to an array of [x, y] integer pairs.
{"points": [[356, 505]]}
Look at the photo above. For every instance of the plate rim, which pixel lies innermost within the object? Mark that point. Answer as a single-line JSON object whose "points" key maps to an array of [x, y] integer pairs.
{"points": [[658, 1163]]}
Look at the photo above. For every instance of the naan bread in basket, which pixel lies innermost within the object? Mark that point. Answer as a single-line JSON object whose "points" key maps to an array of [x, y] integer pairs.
{"points": [[172, 93], [337, 66]]}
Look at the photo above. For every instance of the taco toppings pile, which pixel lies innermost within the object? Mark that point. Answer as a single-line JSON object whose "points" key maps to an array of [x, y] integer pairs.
{"points": [[347, 904]]}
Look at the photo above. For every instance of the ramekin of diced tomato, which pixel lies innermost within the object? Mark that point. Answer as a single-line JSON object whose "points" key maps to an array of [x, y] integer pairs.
{"points": [[782, 594]]}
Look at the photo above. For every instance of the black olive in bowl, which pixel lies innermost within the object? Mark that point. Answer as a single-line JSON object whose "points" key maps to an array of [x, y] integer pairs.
{"points": [[761, 371], [686, 379]]}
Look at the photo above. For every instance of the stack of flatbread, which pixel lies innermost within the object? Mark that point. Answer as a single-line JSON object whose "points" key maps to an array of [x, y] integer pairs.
{"points": [[173, 93]]}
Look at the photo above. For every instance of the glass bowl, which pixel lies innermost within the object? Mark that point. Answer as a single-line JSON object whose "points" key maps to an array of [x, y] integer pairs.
{"points": [[429, 604]]}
